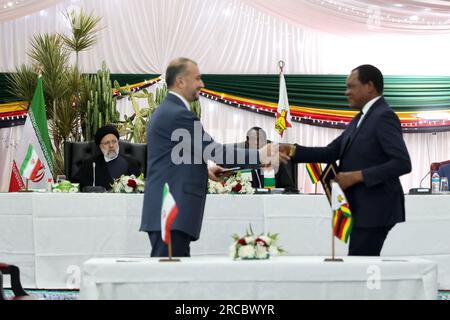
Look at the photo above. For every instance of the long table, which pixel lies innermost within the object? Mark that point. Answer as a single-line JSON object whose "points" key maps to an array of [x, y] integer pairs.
{"points": [[50, 236], [285, 278]]}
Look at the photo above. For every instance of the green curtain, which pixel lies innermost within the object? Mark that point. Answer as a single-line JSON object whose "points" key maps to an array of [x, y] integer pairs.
{"points": [[328, 91], [123, 79], [404, 93]]}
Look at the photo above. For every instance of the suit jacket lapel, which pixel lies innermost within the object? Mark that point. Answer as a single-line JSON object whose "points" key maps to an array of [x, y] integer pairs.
{"points": [[354, 131], [350, 134]]}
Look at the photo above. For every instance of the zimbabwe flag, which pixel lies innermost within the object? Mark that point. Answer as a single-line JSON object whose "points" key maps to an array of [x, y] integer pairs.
{"points": [[342, 216], [314, 171]]}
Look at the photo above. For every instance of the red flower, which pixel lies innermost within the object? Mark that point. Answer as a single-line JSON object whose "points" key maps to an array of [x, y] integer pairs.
{"points": [[131, 183], [242, 242], [237, 188]]}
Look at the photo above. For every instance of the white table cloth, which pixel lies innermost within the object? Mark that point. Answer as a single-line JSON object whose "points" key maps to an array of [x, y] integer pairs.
{"points": [[50, 235], [284, 278]]}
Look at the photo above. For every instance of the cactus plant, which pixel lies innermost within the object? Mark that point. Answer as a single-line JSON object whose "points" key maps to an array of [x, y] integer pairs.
{"points": [[134, 128], [101, 106]]}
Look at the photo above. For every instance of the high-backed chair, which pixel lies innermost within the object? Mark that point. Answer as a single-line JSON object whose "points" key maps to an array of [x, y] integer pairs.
{"points": [[435, 166], [76, 152], [16, 286]]}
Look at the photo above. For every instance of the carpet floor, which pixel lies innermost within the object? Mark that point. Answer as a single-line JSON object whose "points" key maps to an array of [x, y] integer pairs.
{"points": [[74, 294]]}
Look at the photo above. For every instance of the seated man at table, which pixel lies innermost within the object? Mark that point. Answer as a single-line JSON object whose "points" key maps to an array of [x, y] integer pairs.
{"points": [[444, 171], [256, 138], [109, 165]]}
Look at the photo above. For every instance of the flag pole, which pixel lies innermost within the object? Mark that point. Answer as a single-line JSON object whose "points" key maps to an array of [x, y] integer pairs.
{"points": [[170, 247], [281, 65], [333, 245], [170, 258], [26, 187]]}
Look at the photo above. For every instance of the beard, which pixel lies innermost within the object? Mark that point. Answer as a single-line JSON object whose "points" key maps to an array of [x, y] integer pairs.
{"points": [[110, 155]]}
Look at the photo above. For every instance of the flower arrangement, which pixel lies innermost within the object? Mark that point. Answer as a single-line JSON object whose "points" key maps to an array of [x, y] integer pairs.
{"points": [[129, 184], [238, 183], [252, 247]]}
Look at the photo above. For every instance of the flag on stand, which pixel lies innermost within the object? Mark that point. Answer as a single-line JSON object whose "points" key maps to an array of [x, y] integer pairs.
{"points": [[32, 167], [283, 113], [342, 216], [169, 212], [33, 157], [314, 171]]}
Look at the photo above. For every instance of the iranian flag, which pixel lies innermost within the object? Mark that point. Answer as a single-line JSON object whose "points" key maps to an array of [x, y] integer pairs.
{"points": [[33, 158], [32, 167], [169, 212]]}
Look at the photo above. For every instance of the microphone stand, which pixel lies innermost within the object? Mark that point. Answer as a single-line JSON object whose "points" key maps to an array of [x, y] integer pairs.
{"points": [[94, 188], [421, 190]]}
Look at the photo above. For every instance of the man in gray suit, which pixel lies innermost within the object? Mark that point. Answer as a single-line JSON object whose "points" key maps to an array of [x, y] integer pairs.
{"points": [[178, 151]]}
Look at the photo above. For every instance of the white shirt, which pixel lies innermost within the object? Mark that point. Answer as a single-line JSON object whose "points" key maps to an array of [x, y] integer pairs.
{"points": [[182, 99], [366, 109]]}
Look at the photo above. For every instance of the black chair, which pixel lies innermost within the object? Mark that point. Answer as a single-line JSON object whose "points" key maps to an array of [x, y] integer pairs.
{"points": [[76, 152]]}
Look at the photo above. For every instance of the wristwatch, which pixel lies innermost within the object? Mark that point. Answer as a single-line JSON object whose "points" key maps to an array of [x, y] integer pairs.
{"points": [[292, 150]]}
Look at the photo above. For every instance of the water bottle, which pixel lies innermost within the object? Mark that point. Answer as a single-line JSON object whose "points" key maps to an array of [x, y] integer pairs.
{"points": [[444, 184], [435, 181]]}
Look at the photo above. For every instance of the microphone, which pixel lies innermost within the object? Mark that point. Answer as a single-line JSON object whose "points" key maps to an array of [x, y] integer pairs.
{"points": [[257, 177], [421, 190], [94, 188], [420, 184], [93, 174]]}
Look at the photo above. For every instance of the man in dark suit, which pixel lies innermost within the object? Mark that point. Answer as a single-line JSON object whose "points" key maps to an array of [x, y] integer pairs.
{"points": [[256, 138], [444, 171], [109, 165], [372, 156], [178, 151]]}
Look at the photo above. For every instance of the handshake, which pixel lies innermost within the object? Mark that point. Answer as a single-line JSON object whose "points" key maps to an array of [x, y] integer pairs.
{"points": [[274, 153], [271, 155]]}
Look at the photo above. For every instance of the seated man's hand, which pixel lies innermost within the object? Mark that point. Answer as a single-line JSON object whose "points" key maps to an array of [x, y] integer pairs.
{"points": [[216, 173]]}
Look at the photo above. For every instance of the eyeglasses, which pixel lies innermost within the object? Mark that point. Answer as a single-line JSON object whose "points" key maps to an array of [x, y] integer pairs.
{"points": [[112, 142]]}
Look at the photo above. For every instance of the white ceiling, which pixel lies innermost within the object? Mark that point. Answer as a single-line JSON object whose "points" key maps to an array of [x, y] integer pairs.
{"points": [[348, 16], [14, 9], [361, 16]]}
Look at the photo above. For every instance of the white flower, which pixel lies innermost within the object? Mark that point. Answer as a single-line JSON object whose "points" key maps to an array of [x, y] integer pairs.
{"points": [[230, 183], [273, 251], [124, 179], [252, 246], [250, 240], [219, 188], [261, 252], [266, 239], [121, 184], [247, 251], [233, 250]]}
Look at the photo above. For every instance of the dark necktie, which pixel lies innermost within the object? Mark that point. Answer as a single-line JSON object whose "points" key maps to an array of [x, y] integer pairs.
{"points": [[353, 132], [360, 115]]}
